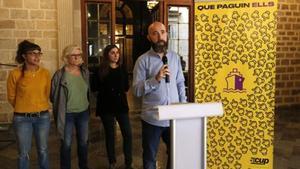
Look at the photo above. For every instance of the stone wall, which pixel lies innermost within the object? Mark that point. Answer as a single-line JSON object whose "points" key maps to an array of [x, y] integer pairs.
{"points": [[35, 20], [288, 54], [5, 108]]}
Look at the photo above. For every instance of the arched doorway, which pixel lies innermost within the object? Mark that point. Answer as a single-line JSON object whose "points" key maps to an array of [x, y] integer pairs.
{"points": [[124, 33]]}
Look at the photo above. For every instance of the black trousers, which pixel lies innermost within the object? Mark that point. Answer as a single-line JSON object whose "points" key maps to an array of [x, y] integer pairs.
{"points": [[109, 123]]}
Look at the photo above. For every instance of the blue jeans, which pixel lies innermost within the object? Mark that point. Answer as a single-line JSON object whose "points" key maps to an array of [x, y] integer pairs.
{"points": [[24, 126], [150, 141], [108, 120], [81, 123]]}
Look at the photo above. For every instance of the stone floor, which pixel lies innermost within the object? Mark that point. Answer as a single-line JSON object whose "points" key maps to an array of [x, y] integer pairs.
{"points": [[286, 144], [287, 140], [97, 153]]}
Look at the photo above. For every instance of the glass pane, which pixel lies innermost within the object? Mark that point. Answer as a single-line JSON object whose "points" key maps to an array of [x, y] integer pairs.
{"points": [[120, 43], [92, 29], [119, 29], [103, 29], [178, 20], [129, 29], [173, 45], [183, 47], [103, 42], [173, 31], [178, 27], [92, 11], [99, 30], [184, 31], [92, 47], [183, 15], [104, 10]]}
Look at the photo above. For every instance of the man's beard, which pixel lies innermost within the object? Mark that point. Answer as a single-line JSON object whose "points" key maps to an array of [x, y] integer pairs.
{"points": [[160, 46]]}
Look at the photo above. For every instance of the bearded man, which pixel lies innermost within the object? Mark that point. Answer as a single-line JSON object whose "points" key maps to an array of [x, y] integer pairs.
{"points": [[158, 79]]}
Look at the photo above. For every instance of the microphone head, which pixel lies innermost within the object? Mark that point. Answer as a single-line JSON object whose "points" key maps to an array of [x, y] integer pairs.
{"points": [[164, 59]]}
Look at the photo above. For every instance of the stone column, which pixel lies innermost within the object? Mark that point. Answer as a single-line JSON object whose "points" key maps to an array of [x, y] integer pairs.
{"points": [[65, 25], [69, 25], [5, 108]]}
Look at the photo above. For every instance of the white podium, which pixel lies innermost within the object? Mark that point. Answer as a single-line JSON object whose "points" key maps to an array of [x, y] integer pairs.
{"points": [[188, 132]]}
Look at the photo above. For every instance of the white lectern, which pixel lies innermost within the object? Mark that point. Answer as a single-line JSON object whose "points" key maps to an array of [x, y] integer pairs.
{"points": [[188, 132]]}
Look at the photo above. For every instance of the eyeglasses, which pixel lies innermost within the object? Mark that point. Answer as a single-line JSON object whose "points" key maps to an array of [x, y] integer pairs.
{"points": [[34, 53], [76, 55]]}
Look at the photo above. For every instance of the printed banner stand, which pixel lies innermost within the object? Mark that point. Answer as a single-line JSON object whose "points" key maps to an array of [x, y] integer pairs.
{"points": [[188, 132], [235, 60]]}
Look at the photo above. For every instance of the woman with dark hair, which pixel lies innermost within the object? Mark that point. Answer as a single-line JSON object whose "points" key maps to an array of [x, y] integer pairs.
{"points": [[112, 104], [28, 89], [70, 100]]}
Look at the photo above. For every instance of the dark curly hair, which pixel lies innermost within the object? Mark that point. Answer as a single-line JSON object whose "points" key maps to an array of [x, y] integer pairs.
{"points": [[23, 48]]}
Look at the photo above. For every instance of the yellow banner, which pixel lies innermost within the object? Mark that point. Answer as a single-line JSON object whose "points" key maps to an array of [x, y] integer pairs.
{"points": [[235, 49]]}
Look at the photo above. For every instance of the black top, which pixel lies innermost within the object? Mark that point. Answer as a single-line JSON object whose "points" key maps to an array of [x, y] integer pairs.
{"points": [[112, 92]]}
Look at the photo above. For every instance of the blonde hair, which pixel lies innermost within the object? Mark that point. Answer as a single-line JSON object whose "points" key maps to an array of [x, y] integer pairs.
{"points": [[68, 51]]}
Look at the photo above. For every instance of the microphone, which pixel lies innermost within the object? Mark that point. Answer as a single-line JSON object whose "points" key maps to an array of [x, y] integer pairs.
{"points": [[165, 62]]}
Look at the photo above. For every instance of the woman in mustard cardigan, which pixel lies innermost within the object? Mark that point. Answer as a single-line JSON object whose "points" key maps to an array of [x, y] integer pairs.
{"points": [[28, 90]]}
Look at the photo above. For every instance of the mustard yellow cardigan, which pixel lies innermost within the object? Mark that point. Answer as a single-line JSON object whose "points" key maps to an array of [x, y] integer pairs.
{"points": [[29, 93]]}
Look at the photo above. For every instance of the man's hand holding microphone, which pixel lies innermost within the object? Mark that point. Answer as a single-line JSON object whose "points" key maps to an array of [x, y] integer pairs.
{"points": [[164, 71]]}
